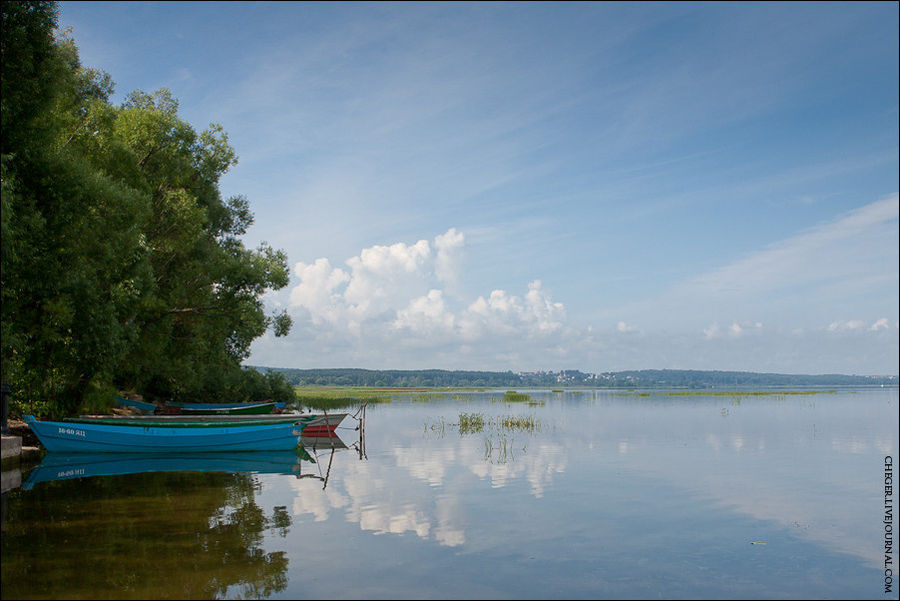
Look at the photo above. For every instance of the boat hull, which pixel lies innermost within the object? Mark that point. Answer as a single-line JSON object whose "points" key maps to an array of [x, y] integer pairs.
{"points": [[75, 437], [201, 409], [321, 424]]}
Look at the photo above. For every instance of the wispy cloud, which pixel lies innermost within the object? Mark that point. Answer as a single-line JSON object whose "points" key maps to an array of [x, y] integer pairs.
{"points": [[808, 280], [840, 250]]}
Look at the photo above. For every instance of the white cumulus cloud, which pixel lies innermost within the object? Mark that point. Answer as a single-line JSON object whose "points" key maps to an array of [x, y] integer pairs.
{"points": [[503, 314], [624, 327], [881, 324], [402, 288], [318, 290], [852, 324], [448, 262], [735, 330], [426, 314]]}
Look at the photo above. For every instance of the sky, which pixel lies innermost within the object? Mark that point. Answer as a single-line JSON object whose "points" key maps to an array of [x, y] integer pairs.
{"points": [[544, 186]]}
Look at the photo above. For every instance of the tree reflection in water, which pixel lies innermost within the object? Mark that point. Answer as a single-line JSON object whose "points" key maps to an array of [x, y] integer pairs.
{"points": [[162, 535]]}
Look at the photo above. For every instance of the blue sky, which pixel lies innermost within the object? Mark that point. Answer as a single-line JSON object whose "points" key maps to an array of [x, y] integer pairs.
{"points": [[535, 186]]}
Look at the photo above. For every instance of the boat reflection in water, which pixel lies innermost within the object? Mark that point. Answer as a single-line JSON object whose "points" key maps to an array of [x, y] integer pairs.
{"points": [[311, 450]]}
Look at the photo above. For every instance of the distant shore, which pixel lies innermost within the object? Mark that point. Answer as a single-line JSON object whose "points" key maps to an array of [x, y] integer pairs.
{"points": [[428, 379]]}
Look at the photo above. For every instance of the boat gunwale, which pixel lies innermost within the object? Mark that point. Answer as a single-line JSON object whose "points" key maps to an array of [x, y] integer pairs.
{"points": [[223, 405], [180, 421]]}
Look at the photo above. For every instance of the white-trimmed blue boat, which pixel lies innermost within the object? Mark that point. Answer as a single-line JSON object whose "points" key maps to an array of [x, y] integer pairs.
{"points": [[181, 436]]}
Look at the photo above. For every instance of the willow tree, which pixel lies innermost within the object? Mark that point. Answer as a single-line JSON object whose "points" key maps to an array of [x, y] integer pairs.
{"points": [[121, 261], [205, 307]]}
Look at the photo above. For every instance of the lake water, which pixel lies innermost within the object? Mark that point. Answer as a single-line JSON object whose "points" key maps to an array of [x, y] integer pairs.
{"points": [[574, 495]]}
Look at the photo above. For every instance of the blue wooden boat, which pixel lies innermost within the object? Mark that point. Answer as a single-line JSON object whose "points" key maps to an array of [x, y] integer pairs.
{"points": [[145, 408], [69, 466], [180, 437], [278, 405], [226, 408]]}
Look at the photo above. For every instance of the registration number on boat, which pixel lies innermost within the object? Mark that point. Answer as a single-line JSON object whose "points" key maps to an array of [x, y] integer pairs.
{"points": [[72, 432], [69, 473]]}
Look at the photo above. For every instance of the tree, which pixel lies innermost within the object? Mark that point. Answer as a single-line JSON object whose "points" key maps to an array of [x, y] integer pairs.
{"points": [[205, 309], [64, 286], [121, 261]]}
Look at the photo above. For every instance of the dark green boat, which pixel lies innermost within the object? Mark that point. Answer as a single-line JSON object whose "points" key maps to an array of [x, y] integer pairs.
{"points": [[224, 409]]}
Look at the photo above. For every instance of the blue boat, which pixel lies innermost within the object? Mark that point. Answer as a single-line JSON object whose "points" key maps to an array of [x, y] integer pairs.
{"points": [[164, 438], [68, 466], [278, 405], [226, 408], [145, 408]]}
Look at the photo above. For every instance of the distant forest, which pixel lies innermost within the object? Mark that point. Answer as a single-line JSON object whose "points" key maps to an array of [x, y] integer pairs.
{"points": [[648, 378]]}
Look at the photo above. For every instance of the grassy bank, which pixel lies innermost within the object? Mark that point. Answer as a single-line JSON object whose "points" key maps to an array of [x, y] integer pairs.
{"points": [[342, 397]]}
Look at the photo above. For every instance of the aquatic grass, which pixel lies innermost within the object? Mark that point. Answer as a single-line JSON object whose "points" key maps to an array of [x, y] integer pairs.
{"points": [[524, 423], [303, 392], [338, 397], [424, 397], [476, 423], [512, 396], [326, 403], [470, 423], [334, 397]]}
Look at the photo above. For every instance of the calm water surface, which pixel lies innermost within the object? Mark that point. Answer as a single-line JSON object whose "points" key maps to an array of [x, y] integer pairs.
{"points": [[583, 495]]}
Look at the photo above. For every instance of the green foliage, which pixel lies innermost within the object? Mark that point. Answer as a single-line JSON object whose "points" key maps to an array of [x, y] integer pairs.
{"points": [[30, 73], [99, 398], [121, 261]]}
